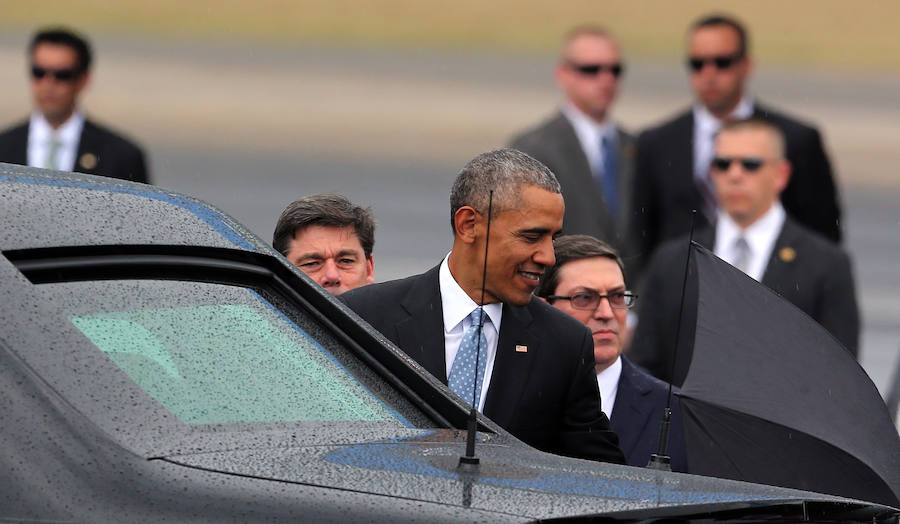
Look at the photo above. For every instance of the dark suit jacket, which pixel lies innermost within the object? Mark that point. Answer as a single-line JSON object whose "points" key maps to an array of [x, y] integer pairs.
{"points": [[805, 268], [100, 152], [555, 144], [665, 190], [638, 413], [546, 397]]}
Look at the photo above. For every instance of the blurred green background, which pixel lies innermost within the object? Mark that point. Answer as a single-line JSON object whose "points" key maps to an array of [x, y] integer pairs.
{"points": [[824, 34]]}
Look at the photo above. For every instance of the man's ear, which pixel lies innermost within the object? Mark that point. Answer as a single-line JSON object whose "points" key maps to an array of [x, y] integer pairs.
{"points": [[370, 269], [465, 222], [784, 175]]}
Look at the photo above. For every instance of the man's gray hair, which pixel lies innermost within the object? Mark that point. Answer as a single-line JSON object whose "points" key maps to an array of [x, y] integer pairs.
{"points": [[504, 171]]}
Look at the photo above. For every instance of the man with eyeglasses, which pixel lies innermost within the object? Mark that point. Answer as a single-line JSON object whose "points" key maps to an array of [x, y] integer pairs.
{"points": [[588, 283], [672, 166], [754, 233], [57, 135], [590, 154]]}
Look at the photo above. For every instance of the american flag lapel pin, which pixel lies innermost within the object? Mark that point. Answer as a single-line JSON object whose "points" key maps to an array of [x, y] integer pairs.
{"points": [[521, 349]]}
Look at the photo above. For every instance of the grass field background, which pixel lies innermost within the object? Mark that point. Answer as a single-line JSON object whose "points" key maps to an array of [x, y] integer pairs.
{"points": [[824, 34]]}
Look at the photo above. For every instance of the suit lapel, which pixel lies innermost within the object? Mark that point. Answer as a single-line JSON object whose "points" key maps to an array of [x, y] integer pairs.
{"points": [[16, 150], [511, 368], [88, 158], [783, 254], [630, 411], [422, 333]]}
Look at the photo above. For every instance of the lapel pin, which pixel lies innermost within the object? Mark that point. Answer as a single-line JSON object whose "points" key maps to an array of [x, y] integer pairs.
{"points": [[521, 349], [88, 161], [787, 254]]}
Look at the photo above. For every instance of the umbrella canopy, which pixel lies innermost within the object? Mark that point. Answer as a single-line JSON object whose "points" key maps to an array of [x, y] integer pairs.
{"points": [[771, 397]]}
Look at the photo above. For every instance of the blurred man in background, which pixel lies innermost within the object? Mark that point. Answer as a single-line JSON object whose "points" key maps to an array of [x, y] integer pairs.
{"points": [[58, 135], [590, 154], [330, 239], [672, 173], [588, 283], [754, 233]]}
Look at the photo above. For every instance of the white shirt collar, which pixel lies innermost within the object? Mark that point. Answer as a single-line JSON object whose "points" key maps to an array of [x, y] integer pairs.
{"points": [[608, 383], [705, 120], [40, 132], [457, 304], [589, 133], [761, 236]]}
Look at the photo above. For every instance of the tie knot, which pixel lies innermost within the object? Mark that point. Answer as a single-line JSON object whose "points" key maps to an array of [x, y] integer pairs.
{"points": [[475, 316]]}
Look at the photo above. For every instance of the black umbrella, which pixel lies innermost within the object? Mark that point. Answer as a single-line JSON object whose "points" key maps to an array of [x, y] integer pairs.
{"points": [[771, 397]]}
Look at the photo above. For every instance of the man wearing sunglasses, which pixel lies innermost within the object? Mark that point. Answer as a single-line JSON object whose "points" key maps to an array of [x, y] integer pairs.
{"points": [[672, 172], [588, 283], [590, 154], [754, 233], [58, 135]]}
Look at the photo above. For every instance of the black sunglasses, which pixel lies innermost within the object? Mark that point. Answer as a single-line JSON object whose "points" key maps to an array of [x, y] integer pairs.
{"points": [[721, 62], [61, 75], [615, 69], [591, 299], [750, 163]]}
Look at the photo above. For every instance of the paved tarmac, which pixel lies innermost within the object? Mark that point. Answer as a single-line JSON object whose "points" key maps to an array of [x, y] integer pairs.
{"points": [[250, 128]]}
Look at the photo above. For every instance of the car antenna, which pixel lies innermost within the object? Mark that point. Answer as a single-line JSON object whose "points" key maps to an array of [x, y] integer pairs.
{"points": [[661, 459], [469, 460]]}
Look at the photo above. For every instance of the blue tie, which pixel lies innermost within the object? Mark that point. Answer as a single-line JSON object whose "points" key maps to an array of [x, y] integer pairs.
{"points": [[610, 180], [462, 380]]}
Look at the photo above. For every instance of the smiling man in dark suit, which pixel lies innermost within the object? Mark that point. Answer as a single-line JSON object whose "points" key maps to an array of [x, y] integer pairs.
{"points": [[591, 155], [57, 135], [754, 233], [672, 165], [588, 283], [535, 373]]}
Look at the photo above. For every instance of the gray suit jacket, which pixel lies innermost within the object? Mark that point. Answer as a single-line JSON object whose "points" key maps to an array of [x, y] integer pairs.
{"points": [[555, 144], [806, 269]]}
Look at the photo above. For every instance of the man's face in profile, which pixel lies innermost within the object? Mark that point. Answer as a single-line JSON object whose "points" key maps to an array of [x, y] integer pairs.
{"points": [[56, 81], [521, 245], [332, 256]]}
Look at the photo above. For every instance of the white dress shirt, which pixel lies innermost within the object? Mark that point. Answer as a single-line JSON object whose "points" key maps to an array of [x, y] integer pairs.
{"points": [[608, 383], [705, 128], [457, 306], [40, 133], [760, 236], [590, 135]]}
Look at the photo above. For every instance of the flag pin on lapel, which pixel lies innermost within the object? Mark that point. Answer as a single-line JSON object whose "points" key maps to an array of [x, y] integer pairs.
{"points": [[521, 349]]}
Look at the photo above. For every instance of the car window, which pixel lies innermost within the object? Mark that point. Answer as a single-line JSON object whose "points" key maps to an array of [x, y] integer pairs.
{"points": [[245, 362], [158, 357]]}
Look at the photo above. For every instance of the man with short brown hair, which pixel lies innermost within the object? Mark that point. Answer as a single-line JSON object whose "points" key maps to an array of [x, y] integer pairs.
{"points": [[754, 233], [591, 155], [58, 135], [672, 167], [330, 239]]}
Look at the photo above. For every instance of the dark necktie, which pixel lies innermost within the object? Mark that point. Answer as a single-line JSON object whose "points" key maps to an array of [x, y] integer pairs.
{"points": [[610, 180]]}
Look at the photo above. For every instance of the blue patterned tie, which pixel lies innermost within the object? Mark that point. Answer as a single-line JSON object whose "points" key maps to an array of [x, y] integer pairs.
{"points": [[610, 180], [462, 380]]}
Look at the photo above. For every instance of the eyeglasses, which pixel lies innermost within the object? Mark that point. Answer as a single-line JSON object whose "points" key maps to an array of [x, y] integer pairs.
{"points": [[750, 163], [591, 299], [721, 62], [60, 75], [616, 69]]}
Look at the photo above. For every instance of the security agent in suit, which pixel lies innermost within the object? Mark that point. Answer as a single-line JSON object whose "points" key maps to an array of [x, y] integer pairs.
{"points": [[588, 283], [671, 176], [755, 234], [589, 153], [57, 135], [538, 380]]}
